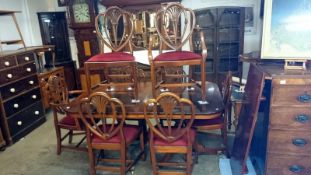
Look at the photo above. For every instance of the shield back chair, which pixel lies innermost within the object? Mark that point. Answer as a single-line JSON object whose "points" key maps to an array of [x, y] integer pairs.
{"points": [[175, 25], [114, 28], [175, 136], [104, 118], [58, 95], [218, 123]]}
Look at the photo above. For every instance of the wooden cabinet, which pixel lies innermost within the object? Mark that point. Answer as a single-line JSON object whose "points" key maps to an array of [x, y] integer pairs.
{"points": [[2, 141], [282, 137], [20, 99], [43, 78], [224, 37]]}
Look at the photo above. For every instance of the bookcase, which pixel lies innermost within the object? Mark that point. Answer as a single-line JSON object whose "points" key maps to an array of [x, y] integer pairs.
{"points": [[223, 29]]}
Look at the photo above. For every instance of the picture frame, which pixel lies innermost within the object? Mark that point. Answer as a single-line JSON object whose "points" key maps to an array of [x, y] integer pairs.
{"points": [[62, 3], [286, 30]]}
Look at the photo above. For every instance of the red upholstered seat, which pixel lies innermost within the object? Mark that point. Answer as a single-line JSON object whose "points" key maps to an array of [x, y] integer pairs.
{"points": [[130, 133], [207, 122], [112, 57], [68, 120], [182, 141], [177, 56]]}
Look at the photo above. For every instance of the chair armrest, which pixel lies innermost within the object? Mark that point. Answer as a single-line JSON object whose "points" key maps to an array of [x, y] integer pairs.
{"points": [[150, 57], [204, 48], [76, 91]]}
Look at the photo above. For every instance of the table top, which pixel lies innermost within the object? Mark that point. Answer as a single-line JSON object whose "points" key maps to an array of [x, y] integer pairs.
{"points": [[212, 109]]}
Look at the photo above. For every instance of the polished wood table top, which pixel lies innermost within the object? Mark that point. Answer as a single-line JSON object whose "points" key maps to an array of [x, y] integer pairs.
{"points": [[212, 109]]}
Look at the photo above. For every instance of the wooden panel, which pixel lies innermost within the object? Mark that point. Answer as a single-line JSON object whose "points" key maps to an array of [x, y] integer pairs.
{"points": [[290, 118], [247, 120], [289, 142], [288, 165], [288, 95]]}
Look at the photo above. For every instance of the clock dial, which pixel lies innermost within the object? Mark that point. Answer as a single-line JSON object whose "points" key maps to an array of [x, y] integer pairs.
{"points": [[81, 13]]}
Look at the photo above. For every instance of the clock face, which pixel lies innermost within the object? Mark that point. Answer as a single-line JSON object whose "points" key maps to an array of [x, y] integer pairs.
{"points": [[81, 13]]}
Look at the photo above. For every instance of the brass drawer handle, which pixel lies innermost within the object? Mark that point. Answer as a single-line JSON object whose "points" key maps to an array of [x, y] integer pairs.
{"points": [[302, 118], [296, 168], [300, 142], [304, 98], [7, 63]]}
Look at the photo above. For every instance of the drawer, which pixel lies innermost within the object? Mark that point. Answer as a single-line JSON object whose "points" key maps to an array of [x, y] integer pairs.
{"points": [[25, 118], [18, 87], [291, 81], [9, 75], [298, 118], [19, 103], [291, 95], [289, 142], [8, 61], [288, 165], [28, 69], [26, 57]]}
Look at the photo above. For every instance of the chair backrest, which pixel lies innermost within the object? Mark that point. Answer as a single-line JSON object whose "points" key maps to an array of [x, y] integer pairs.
{"points": [[115, 28], [226, 87], [103, 116], [57, 92], [175, 25], [170, 110]]}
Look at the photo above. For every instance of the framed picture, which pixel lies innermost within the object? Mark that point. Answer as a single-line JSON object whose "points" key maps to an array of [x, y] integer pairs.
{"points": [[62, 3], [286, 30]]}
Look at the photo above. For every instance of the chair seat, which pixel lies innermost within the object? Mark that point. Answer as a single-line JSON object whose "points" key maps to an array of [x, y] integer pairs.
{"points": [[130, 133], [182, 141], [68, 120], [177, 56], [112, 57], [215, 121]]}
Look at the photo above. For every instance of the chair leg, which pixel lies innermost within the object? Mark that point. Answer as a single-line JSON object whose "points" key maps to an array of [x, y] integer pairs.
{"points": [[91, 161], [123, 160], [203, 79], [58, 139], [153, 79], [70, 136], [134, 73], [224, 137], [153, 161], [142, 146], [189, 161]]}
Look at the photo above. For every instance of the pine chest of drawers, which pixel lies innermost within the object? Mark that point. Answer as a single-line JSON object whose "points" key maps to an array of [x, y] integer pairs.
{"points": [[20, 97], [282, 137]]}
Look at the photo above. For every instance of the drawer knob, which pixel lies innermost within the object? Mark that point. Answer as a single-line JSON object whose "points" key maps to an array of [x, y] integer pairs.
{"points": [[34, 97], [7, 63], [26, 58], [302, 118], [304, 98], [15, 105], [300, 142], [19, 123], [37, 112], [31, 82], [12, 90], [9, 75], [296, 168], [28, 69]]}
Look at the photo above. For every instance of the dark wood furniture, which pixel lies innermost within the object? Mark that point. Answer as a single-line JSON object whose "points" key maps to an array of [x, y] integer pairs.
{"points": [[43, 79], [223, 28], [218, 123], [110, 133], [247, 119], [168, 135], [58, 97], [173, 36], [21, 106], [2, 141], [55, 32], [119, 68], [281, 141]]}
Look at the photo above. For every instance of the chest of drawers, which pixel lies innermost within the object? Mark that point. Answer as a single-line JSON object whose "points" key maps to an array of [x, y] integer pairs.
{"points": [[20, 97], [282, 137]]}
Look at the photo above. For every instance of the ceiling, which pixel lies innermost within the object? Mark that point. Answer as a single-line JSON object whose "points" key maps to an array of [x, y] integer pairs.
{"points": [[122, 3]]}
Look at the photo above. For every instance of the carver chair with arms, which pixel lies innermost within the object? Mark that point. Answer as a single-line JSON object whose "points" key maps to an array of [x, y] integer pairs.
{"points": [[175, 25], [114, 28], [104, 118], [58, 95], [218, 123], [170, 131]]}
